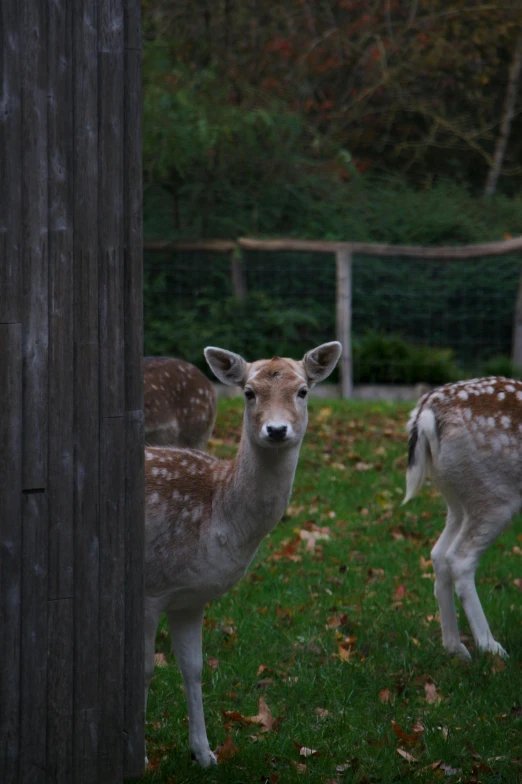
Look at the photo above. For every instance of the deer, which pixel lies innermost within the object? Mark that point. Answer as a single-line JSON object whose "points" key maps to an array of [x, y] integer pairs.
{"points": [[206, 517], [180, 403], [468, 437]]}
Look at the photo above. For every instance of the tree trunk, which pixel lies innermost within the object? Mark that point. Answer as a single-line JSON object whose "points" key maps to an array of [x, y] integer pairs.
{"points": [[505, 125]]}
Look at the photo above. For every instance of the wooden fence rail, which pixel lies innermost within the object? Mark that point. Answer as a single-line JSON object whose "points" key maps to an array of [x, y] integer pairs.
{"points": [[343, 252]]}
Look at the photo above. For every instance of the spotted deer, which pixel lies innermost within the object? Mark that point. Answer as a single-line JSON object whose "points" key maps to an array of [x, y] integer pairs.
{"points": [[180, 403], [206, 517], [468, 436]]}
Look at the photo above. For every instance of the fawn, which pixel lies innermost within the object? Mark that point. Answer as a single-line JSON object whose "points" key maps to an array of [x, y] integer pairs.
{"points": [[180, 403], [206, 517], [468, 435]]}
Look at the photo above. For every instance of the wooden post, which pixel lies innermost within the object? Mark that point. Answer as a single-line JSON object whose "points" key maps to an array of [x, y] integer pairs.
{"points": [[343, 262], [516, 349], [237, 270]]}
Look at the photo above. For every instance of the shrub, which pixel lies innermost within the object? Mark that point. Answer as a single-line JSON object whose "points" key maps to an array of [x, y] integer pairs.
{"points": [[389, 359], [501, 366]]}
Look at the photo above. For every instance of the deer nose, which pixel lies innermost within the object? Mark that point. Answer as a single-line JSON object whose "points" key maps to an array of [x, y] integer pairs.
{"points": [[276, 433]]}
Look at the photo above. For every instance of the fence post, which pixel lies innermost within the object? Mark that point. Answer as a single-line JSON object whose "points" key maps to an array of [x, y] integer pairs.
{"points": [[343, 263], [516, 349], [237, 271]]}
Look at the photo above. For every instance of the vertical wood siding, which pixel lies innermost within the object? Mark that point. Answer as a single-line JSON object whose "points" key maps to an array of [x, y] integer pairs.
{"points": [[71, 392]]}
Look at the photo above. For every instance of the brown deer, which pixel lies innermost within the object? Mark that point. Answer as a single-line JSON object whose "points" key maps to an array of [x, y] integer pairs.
{"points": [[206, 517], [468, 436], [180, 403]]}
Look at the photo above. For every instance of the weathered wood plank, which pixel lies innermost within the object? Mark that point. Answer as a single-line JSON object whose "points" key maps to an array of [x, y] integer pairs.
{"points": [[35, 251], [60, 671], [133, 25], [61, 291], [86, 566], [86, 370], [133, 232], [59, 764], [134, 593], [111, 207], [112, 597], [10, 545], [34, 642], [10, 163]]}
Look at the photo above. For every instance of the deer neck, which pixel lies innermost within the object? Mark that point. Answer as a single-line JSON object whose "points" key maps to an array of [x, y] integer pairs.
{"points": [[258, 489]]}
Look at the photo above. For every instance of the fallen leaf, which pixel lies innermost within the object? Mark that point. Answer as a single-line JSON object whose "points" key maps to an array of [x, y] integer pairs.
{"points": [[335, 621], [399, 592], [226, 751], [430, 690], [363, 466], [299, 766], [214, 663], [518, 582], [160, 660], [263, 668], [385, 696], [448, 770], [322, 713], [264, 718], [403, 736], [305, 751], [408, 757]]}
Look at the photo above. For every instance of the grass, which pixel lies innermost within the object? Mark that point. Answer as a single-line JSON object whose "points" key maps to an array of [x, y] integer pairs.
{"points": [[339, 637]]}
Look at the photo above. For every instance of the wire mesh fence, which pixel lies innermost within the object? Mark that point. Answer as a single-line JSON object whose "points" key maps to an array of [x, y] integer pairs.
{"points": [[462, 309]]}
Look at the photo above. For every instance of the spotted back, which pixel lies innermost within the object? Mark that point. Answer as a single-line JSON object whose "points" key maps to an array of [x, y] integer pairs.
{"points": [[488, 409], [180, 403]]}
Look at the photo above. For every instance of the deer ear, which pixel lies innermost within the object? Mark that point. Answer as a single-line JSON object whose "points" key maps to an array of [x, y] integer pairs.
{"points": [[319, 362], [229, 368]]}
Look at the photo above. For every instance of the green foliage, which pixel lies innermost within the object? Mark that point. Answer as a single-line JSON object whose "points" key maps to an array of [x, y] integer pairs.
{"points": [[501, 366], [254, 328], [229, 164], [388, 359]]}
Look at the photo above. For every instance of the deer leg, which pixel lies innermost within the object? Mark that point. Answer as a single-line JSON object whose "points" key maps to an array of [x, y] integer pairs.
{"points": [[186, 636], [463, 557], [444, 585]]}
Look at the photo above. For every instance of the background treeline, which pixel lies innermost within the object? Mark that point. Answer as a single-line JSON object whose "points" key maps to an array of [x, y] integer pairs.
{"points": [[377, 121]]}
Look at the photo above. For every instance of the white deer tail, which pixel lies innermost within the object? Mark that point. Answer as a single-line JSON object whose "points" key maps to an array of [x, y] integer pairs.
{"points": [[422, 452]]}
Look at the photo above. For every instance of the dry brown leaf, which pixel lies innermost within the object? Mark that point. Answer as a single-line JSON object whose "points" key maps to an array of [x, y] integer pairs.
{"points": [[399, 592], [322, 712], [498, 665], [335, 621], [385, 696], [214, 663], [264, 718], [407, 756], [160, 660], [403, 736], [226, 751], [363, 466], [299, 766], [518, 582], [430, 690]]}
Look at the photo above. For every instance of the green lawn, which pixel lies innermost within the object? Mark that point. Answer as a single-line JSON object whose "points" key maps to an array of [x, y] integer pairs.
{"points": [[335, 630]]}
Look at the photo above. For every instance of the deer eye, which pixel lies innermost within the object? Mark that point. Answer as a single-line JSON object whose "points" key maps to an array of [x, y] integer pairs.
{"points": [[302, 392], [249, 394]]}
